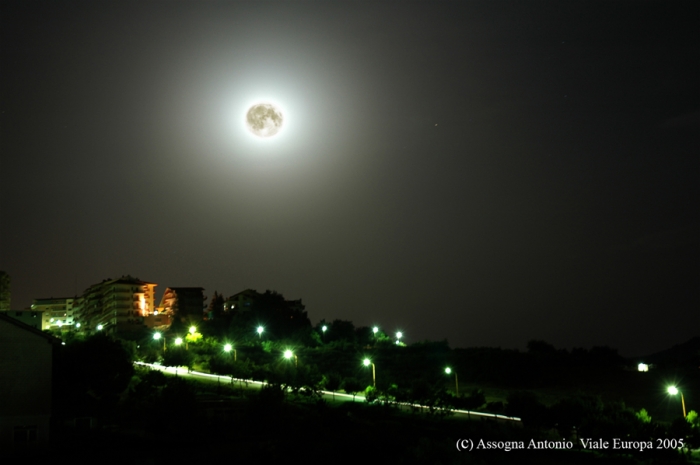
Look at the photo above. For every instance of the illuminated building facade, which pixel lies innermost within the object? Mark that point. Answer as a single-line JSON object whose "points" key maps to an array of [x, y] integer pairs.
{"points": [[116, 305], [57, 312]]}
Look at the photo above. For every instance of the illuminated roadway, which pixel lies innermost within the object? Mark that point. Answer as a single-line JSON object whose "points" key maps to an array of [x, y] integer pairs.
{"points": [[249, 383]]}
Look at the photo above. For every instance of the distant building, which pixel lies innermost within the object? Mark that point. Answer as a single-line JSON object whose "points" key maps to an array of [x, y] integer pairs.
{"points": [[117, 306], [183, 304], [241, 301], [26, 357], [58, 312], [4, 292], [158, 320]]}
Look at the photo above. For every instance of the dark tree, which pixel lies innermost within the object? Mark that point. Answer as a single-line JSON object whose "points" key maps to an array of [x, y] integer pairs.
{"points": [[526, 406], [332, 382], [215, 310], [540, 347], [352, 386], [178, 357], [340, 330], [91, 374], [281, 319]]}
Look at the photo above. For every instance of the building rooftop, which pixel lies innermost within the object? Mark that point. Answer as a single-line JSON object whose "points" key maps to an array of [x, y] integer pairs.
{"points": [[38, 332]]}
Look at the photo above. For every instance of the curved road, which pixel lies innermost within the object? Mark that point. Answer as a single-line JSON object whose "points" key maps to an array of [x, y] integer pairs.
{"points": [[341, 396]]}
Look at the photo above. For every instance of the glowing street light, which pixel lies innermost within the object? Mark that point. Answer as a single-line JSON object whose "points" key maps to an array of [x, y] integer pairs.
{"points": [[157, 336], [228, 348], [399, 335], [178, 341], [99, 327], [289, 354], [673, 390], [260, 331], [190, 337], [448, 370], [375, 330], [367, 362]]}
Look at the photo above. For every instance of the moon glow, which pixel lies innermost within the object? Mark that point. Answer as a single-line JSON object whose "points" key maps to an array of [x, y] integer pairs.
{"points": [[264, 120]]}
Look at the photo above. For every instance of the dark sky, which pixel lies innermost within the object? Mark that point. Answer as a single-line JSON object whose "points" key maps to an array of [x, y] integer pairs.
{"points": [[489, 172]]}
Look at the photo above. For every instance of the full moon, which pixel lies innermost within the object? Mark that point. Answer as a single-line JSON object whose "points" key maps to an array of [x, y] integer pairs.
{"points": [[264, 120]]}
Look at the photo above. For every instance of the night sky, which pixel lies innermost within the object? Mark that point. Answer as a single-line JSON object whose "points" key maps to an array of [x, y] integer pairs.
{"points": [[488, 172]]}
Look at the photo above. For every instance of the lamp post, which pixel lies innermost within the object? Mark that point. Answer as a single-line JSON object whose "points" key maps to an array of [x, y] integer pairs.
{"points": [[192, 330], [158, 336], [375, 330], [229, 348], [178, 341], [399, 335], [673, 390], [367, 362], [289, 354], [448, 370], [260, 331]]}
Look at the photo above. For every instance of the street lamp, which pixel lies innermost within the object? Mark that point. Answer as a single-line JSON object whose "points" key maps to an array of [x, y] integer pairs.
{"points": [[673, 390], [375, 330], [367, 362], [193, 329], [399, 335], [157, 337], [448, 370], [229, 348], [99, 327], [260, 331], [289, 354], [178, 341]]}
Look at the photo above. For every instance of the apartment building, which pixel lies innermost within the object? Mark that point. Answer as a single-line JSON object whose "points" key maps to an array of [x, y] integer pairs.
{"points": [[117, 305], [58, 313]]}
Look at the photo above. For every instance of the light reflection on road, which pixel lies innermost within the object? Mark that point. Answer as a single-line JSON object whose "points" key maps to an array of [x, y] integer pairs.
{"points": [[187, 373]]}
